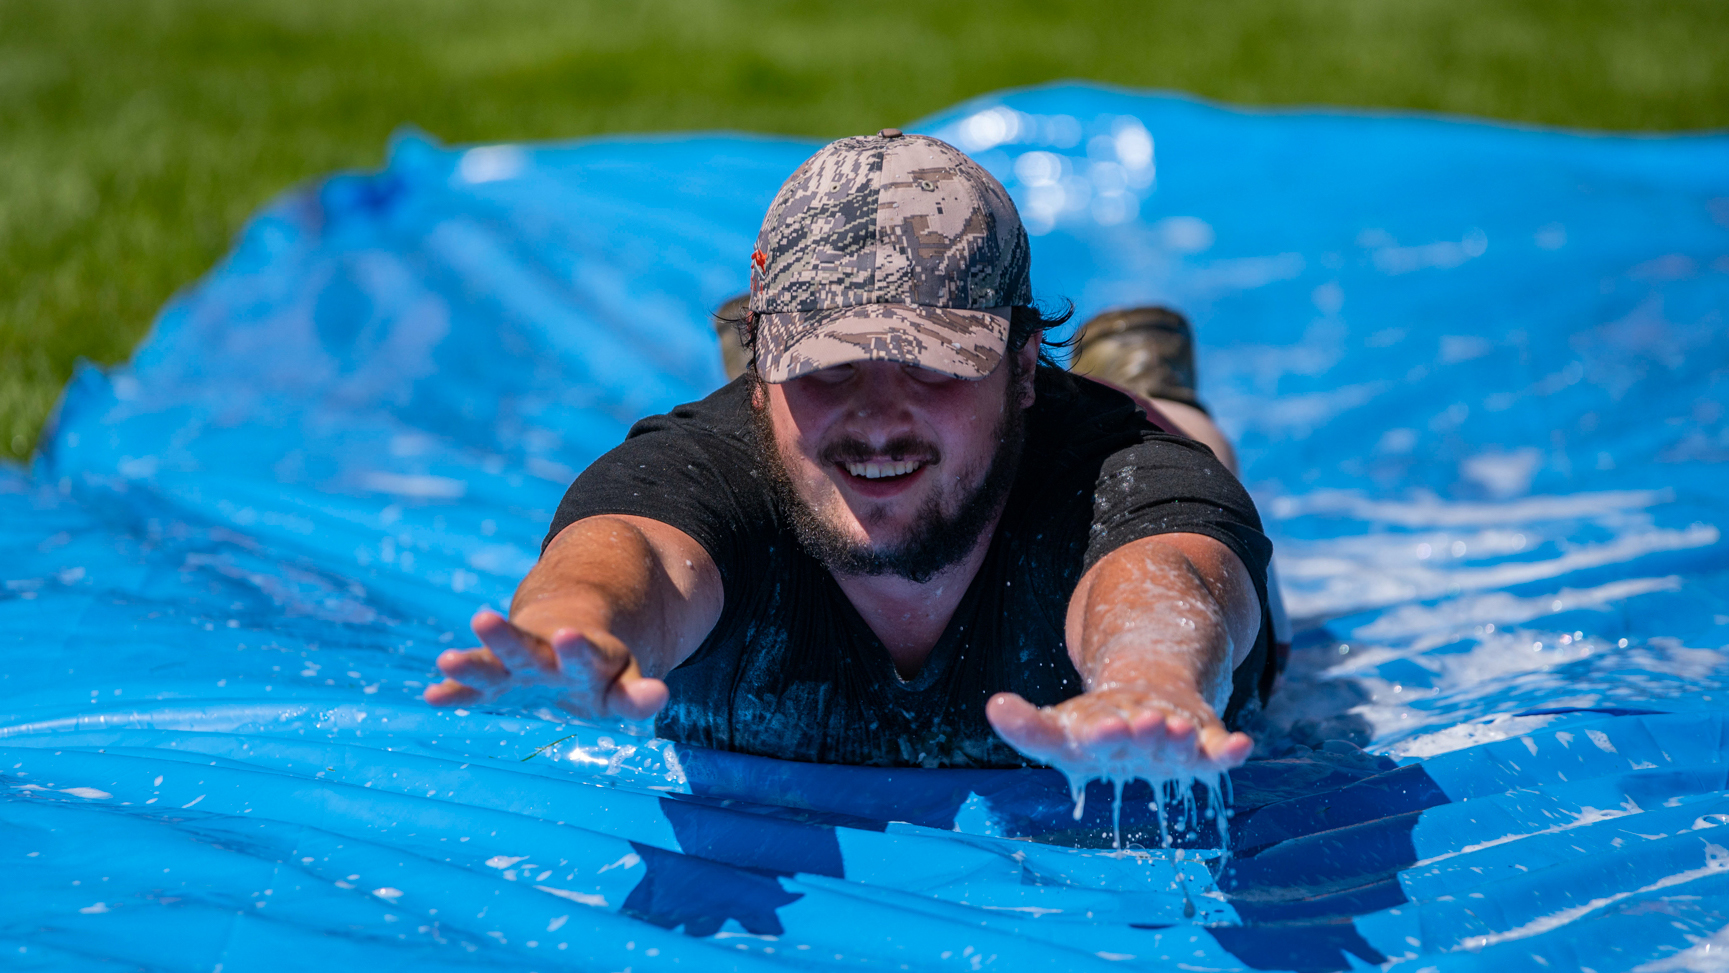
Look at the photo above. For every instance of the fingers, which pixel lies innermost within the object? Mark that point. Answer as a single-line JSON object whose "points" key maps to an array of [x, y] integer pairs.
{"points": [[1108, 731], [1177, 734], [1036, 732], [1226, 750], [517, 650], [1134, 736], [450, 693], [587, 664], [476, 667], [636, 698], [585, 675]]}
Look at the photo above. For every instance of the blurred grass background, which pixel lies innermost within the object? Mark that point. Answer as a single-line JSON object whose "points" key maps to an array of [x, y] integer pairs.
{"points": [[136, 137]]}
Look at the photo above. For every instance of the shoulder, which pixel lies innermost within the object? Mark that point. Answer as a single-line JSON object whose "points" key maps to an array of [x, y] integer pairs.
{"points": [[1073, 430], [724, 413], [694, 467], [709, 443], [1073, 418], [1090, 444]]}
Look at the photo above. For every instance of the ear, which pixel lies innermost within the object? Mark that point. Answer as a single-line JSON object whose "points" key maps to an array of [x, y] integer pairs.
{"points": [[1027, 365]]}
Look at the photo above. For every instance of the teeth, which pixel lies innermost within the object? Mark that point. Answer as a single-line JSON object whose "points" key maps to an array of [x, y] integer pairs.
{"points": [[876, 471]]}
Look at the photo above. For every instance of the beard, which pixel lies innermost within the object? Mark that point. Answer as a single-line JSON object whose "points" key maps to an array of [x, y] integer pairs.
{"points": [[936, 539]]}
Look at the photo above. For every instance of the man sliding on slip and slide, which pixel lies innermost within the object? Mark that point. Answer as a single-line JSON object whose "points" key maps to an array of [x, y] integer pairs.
{"points": [[904, 537]]}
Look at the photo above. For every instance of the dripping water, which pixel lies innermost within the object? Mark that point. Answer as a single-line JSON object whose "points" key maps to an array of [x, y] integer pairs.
{"points": [[1174, 806]]}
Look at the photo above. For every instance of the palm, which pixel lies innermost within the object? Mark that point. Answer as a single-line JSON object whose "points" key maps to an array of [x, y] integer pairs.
{"points": [[1119, 733], [589, 676]]}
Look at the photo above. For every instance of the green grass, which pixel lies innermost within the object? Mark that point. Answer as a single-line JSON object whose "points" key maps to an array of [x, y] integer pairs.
{"points": [[135, 137]]}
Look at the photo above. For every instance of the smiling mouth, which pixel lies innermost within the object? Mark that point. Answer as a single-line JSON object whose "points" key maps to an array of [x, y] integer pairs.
{"points": [[883, 471]]}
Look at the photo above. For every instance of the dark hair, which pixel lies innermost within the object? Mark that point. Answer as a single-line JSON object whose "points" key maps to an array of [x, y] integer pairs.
{"points": [[1025, 321]]}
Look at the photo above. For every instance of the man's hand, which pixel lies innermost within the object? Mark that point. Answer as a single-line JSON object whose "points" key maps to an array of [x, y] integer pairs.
{"points": [[1155, 630], [590, 675], [611, 597], [1120, 733]]}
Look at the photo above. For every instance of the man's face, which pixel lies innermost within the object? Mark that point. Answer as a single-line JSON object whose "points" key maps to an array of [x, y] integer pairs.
{"points": [[897, 468]]}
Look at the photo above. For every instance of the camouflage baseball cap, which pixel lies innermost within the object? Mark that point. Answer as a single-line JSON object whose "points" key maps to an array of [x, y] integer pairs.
{"points": [[888, 247]]}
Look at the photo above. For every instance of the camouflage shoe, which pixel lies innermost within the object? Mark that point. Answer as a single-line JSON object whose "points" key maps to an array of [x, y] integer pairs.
{"points": [[1149, 351], [728, 319]]}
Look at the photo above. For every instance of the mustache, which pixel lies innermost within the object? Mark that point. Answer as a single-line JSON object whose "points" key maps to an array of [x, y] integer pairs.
{"points": [[898, 449]]}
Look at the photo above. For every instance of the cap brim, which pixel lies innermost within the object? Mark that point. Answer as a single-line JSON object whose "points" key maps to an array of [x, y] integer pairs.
{"points": [[964, 343]]}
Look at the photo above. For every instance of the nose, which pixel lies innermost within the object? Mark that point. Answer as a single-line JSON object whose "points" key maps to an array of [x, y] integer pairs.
{"points": [[880, 403]]}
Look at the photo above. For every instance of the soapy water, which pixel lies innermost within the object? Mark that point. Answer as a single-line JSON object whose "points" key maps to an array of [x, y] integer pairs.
{"points": [[1179, 793], [1173, 803], [1475, 378]]}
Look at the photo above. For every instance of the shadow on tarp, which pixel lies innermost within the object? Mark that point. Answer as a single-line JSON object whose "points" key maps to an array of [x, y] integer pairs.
{"points": [[1319, 839], [1316, 837]]}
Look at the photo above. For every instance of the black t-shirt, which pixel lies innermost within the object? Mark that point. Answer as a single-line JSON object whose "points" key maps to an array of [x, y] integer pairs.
{"points": [[791, 670]]}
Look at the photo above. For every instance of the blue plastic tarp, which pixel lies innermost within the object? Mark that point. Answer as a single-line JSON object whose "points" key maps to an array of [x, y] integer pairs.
{"points": [[1477, 375]]}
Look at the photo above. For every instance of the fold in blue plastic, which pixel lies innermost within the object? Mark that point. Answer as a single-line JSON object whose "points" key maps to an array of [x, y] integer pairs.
{"points": [[1477, 378]]}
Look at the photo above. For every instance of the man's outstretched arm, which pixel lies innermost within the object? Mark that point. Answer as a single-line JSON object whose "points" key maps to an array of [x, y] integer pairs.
{"points": [[1156, 629], [615, 603]]}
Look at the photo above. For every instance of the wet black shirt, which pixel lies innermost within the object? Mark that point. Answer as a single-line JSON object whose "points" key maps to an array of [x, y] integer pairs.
{"points": [[791, 670]]}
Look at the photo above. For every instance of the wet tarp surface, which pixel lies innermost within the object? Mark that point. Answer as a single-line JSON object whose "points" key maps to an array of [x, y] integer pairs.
{"points": [[1478, 376]]}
